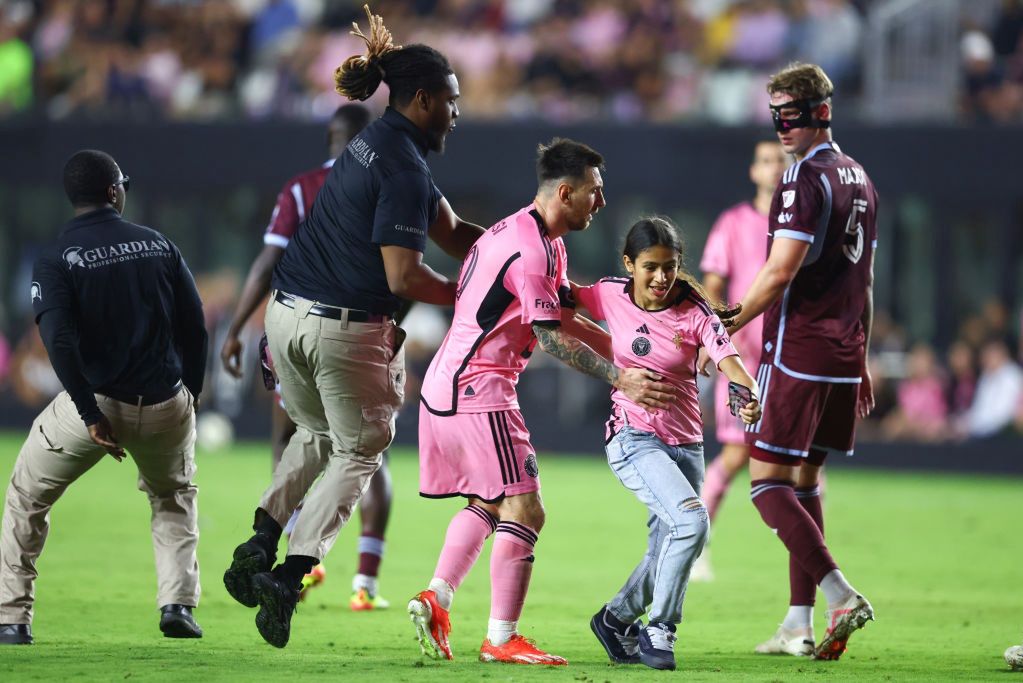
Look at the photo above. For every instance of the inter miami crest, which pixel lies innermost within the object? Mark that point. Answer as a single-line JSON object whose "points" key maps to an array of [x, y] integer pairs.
{"points": [[530, 465], [641, 346]]}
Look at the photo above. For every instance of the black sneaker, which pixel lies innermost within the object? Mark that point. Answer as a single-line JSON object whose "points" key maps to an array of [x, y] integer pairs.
{"points": [[176, 621], [250, 558], [277, 602], [15, 634], [657, 646], [620, 640]]}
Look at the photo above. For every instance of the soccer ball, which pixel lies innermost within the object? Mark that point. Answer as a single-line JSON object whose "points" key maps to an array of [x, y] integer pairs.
{"points": [[1014, 657], [213, 431]]}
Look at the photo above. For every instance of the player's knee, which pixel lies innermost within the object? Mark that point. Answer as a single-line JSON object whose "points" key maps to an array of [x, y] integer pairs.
{"points": [[694, 522]]}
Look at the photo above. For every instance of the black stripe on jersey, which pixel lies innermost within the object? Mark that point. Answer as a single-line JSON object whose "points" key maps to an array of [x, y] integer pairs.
{"points": [[547, 246], [520, 530], [498, 447], [619, 280], [493, 306], [700, 303], [509, 447]]}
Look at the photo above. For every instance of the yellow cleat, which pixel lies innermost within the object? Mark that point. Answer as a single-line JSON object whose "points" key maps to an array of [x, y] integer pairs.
{"points": [[362, 601], [313, 579]]}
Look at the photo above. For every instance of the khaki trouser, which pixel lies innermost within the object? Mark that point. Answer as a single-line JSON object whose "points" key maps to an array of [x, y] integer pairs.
{"points": [[161, 441], [342, 385]]}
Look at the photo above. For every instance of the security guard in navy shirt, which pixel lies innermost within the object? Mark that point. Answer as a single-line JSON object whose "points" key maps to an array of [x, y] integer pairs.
{"points": [[336, 350], [122, 322]]}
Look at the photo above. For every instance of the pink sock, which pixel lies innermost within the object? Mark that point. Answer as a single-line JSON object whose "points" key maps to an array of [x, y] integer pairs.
{"points": [[462, 545], [511, 564], [715, 485]]}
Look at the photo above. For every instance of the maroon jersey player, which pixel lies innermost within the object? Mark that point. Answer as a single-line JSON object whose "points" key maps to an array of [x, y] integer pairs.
{"points": [[815, 292]]}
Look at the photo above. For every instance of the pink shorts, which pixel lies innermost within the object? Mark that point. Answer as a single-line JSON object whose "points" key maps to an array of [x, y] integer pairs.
{"points": [[802, 420], [728, 427], [475, 455]]}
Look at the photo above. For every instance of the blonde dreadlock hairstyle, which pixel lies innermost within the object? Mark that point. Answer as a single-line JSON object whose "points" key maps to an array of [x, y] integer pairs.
{"points": [[405, 69]]}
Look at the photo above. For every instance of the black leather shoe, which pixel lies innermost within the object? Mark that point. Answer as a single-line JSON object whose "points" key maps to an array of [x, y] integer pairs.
{"points": [[15, 634], [250, 558], [176, 621], [277, 602]]}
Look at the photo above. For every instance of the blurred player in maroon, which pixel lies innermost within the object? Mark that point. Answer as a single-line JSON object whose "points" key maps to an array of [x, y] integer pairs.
{"points": [[816, 291], [293, 203], [736, 250]]}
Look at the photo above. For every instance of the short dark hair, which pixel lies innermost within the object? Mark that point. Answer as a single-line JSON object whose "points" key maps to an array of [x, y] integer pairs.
{"points": [[355, 116], [87, 175], [564, 158]]}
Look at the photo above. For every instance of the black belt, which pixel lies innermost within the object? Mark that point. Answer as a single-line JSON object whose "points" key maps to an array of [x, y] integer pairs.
{"points": [[333, 312], [143, 399]]}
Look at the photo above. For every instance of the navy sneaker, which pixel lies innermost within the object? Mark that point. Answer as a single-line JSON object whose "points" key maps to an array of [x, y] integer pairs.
{"points": [[620, 640], [657, 646], [15, 634]]}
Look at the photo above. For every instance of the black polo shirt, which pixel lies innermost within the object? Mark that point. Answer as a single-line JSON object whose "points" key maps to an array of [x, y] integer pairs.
{"points": [[380, 192], [125, 304]]}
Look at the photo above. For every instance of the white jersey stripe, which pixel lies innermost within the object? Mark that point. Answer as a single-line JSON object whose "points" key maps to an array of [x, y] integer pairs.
{"points": [[296, 192]]}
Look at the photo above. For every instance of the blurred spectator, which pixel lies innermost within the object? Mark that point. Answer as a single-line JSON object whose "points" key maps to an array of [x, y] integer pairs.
{"points": [[15, 60], [922, 410], [999, 392], [962, 384], [564, 60]]}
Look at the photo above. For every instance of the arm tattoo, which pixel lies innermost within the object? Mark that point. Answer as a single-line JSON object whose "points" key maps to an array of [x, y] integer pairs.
{"points": [[574, 353]]}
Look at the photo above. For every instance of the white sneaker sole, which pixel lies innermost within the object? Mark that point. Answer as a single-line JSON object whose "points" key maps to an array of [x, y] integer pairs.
{"points": [[421, 615], [777, 646]]}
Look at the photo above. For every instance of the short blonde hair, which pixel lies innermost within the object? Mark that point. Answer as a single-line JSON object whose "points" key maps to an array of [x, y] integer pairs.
{"points": [[802, 81]]}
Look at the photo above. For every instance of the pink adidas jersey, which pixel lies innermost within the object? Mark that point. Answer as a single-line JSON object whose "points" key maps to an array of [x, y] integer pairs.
{"points": [[737, 250], [665, 341], [294, 202], [515, 275]]}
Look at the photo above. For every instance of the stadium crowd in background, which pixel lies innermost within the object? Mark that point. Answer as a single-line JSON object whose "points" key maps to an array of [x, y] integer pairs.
{"points": [[564, 60]]}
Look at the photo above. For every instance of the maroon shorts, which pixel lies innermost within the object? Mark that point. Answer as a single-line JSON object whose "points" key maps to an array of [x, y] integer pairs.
{"points": [[476, 455], [802, 420]]}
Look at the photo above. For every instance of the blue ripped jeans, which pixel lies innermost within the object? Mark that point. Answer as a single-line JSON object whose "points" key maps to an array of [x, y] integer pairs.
{"points": [[668, 480]]}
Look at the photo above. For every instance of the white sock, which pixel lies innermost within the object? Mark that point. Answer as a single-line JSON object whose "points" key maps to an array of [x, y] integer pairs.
{"points": [[836, 588], [500, 632], [361, 581], [445, 593], [798, 617]]}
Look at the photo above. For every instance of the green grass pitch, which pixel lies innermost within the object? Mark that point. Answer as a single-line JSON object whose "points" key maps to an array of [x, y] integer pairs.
{"points": [[938, 556]]}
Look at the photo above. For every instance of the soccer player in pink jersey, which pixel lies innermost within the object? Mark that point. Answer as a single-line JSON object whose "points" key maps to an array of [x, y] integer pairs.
{"points": [[294, 202], [513, 294], [659, 318], [736, 250], [816, 291]]}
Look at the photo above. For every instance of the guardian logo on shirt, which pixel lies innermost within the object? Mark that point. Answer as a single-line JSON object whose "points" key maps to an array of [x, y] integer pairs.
{"points": [[115, 253], [36, 292], [788, 197], [362, 152]]}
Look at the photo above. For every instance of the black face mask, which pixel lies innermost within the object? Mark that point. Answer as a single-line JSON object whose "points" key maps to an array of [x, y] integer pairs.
{"points": [[805, 118]]}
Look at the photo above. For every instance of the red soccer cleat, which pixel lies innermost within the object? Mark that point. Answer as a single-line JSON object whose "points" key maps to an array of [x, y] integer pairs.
{"points": [[433, 624], [314, 578], [518, 650]]}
